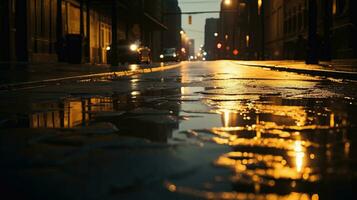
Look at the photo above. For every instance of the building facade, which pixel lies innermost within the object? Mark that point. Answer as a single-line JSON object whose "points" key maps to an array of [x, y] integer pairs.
{"points": [[33, 31], [172, 20], [287, 25], [211, 34], [239, 30]]}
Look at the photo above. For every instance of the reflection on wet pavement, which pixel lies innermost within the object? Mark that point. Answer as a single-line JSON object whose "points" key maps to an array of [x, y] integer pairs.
{"points": [[279, 145]]}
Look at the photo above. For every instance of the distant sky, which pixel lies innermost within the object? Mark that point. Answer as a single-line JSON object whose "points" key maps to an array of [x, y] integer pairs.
{"points": [[196, 30]]}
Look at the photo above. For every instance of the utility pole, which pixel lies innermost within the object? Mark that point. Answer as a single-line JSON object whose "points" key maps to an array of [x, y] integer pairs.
{"points": [[5, 31], [88, 31], [59, 32], [81, 17], [114, 48], [235, 25], [262, 19], [327, 30], [81, 29], [311, 57]]}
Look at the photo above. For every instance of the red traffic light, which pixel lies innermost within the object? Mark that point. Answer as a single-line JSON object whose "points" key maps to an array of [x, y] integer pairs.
{"points": [[235, 52]]}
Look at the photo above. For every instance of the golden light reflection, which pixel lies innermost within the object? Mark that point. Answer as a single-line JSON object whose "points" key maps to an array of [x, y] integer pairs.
{"points": [[226, 118], [204, 194], [299, 156], [332, 120], [69, 114], [135, 93], [279, 114], [134, 67]]}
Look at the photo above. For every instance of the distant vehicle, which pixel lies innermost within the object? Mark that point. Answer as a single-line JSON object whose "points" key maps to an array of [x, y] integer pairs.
{"points": [[144, 55], [170, 54], [131, 53]]}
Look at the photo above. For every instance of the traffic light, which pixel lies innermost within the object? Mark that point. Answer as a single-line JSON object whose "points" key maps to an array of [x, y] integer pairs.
{"points": [[235, 52]]}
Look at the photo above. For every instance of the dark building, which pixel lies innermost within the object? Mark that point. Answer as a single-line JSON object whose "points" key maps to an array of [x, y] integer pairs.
{"points": [[211, 34], [239, 30], [228, 29], [33, 31], [287, 25], [274, 29], [191, 48], [172, 20]]}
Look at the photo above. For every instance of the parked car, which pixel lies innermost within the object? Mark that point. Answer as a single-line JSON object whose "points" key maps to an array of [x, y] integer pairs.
{"points": [[131, 53], [170, 54]]}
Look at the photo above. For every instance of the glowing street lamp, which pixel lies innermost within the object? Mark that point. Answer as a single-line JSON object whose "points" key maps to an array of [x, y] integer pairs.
{"points": [[227, 2], [260, 3]]}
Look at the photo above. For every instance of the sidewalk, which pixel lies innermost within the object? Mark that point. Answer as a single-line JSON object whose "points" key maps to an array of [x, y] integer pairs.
{"points": [[12, 76], [346, 69]]}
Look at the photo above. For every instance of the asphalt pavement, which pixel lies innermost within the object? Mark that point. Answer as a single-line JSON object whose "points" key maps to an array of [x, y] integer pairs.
{"points": [[196, 130]]}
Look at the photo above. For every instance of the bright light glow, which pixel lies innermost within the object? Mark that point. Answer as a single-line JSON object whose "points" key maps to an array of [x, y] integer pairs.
{"points": [[334, 7], [235, 52], [205, 53], [247, 40], [215, 34], [191, 57], [175, 55], [182, 32], [203, 59], [134, 47], [108, 48], [134, 67], [219, 45], [260, 3], [161, 56], [226, 118], [227, 2], [183, 50], [299, 155]]}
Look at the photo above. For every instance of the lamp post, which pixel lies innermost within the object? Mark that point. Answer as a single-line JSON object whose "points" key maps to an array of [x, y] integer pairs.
{"points": [[311, 57], [327, 30], [59, 33], [114, 49], [261, 13]]}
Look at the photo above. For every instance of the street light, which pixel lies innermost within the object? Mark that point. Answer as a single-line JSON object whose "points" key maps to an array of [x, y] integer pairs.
{"points": [[262, 24], [260, 3], [227, 2], [215, 34]]}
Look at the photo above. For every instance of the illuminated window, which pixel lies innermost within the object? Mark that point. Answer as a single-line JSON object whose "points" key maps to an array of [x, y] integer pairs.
{"points": [[334, 7]]}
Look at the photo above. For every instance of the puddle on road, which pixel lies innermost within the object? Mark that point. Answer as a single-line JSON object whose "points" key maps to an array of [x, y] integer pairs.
{"points": [[279, 148]]}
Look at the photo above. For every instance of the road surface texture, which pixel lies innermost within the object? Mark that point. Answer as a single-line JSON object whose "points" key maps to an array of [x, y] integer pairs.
{"points": [[202, 130]]}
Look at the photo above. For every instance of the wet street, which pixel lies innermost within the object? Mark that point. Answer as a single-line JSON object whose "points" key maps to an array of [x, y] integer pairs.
{"points": [[202, 130]]}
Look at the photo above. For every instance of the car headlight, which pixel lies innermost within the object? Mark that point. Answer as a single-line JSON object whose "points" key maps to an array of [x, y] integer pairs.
{"points": [[161, 56], [133, 47]]}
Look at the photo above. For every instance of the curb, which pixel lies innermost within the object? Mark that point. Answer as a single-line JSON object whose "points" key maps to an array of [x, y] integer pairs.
{"points": [[326, 73], [31, 84]]}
